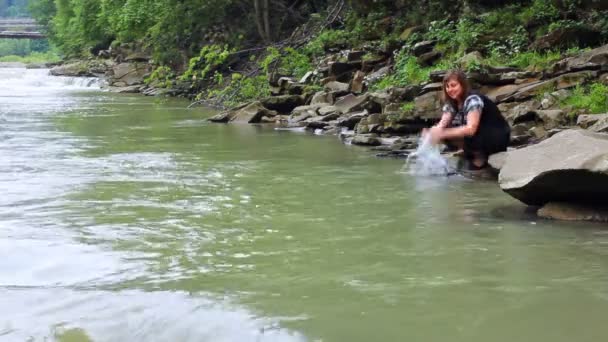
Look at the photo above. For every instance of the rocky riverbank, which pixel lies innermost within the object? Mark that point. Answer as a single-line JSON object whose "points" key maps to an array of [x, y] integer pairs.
{"points": [[558, 157]]}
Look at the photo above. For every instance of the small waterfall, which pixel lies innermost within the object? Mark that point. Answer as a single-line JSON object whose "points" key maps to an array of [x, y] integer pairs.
{"points": [[25, 82], [427, 160]]}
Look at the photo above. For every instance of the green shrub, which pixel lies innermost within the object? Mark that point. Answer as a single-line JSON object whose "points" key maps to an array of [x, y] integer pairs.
{"points": [[592, 99]]}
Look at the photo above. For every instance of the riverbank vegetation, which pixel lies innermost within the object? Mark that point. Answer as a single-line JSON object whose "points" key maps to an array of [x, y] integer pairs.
{"points": [[204, 47]]}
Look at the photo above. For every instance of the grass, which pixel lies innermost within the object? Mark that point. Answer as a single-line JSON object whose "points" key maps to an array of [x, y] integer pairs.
{"points": [[35, 57], [591, 99]]}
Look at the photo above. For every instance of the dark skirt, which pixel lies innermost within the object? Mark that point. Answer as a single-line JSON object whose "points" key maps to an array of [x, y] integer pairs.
{"points": [[487, 141]]}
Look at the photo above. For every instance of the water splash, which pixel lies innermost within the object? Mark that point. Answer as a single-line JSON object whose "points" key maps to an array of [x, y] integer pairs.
{"points": [[427, 160]]}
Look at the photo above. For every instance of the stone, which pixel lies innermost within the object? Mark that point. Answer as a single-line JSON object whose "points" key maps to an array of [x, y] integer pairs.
{"points": [[351, 120], [497, 160], [588, 120], [429, 58], [130, 73], [352, 56], [302, 113], [404, 94], [283, 104], [523, 112], [552, 118], [327, 110], [322, 97], [222, 117], [582, 36], [600, 126], [423, 47], [367, 140], [336, 86], [571, 166], [470, 58], [589, 60], [574, 212], [351, 103], [539, 132], [357, 85], [306, 79], [252, 113], [338, 69], [428, 105], [378, 74]]}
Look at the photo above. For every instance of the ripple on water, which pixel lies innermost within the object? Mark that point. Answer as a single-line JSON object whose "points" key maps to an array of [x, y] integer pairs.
{"points": [[133, 316]]}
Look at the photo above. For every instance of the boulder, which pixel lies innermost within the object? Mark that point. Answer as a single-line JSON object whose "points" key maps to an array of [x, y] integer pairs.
{"points": [[552, 118], [571, 166], [497, 160], [302, 113], [351, 120], [588, 120], [423, 47], [283, 104], [589, 60], [357, 85], [322, 97], [564, 37], [130, 73], [429, 58], [252, 113], [351, 103], [336, 86], [428, 105], [367, 140], [574, 212], [600, 126]]}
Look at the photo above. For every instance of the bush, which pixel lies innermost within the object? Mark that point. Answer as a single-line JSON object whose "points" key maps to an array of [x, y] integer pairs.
{"points": [[592, 99]]}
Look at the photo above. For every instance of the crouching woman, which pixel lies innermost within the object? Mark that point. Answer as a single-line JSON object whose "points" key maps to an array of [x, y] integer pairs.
{"points": [[471, 122]]}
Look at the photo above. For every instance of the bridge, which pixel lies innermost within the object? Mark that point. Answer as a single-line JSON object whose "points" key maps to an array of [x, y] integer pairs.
{"points": [[20, 28]]}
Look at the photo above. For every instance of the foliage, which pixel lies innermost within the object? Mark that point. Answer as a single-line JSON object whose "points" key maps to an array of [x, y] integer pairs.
{"points": [[22, 47], [209, 59], [161, 77], [326, 40], [34, 57], [240, 89], [289, 61], [592, 99]]}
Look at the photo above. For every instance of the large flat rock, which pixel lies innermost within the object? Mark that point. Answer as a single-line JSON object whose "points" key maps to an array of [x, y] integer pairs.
{"points": [[571, 166]]}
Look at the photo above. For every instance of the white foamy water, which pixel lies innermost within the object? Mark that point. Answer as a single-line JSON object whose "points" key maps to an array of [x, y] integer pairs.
{"points": [[427, 160], [22, 82]]}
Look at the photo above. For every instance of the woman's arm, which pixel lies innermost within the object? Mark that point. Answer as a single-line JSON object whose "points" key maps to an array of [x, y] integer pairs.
{"points": [[446, 118], [468, 130]]}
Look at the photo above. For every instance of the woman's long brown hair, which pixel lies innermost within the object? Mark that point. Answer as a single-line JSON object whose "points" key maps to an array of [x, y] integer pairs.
{"points": [[461, 78]]}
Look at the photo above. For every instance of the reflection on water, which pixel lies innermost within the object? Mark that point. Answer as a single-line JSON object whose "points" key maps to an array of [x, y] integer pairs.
{"points": [[128, 218]]}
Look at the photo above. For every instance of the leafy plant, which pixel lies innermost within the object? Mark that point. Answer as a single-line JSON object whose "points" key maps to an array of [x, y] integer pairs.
{"points": [[592, 99]]}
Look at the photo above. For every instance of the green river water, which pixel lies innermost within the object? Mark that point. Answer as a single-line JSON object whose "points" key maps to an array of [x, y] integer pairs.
{"points": [[127, 218]]}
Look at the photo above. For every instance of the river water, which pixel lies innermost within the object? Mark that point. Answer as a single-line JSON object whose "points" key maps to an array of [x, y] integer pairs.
{"points": [[126, 218]]}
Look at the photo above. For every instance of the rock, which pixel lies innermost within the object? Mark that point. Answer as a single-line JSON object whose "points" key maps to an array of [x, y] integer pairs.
{"points": [[523, 112], [351, 103], [524, 76], [302, 113], [339, 69], [470, 58], [571, 166], [382, 98], [322, 97], [130, 73], [316, 122], [138, 56], [437, 86], [600, 126], [519, 140], [437, 75], [539, 132], [552, 118], [368, 140], [222, 117], [429, 58], [497, 160], [409, 31], [378, 74], [336, 86], [590, 60], [252, 113], [356, 85], [127, 89], [351, 120], [404, 94], [283, 104], [307, 77], [564, 37], [429, 105], [588, 120], [353, 56], [323, 111], [423, 47], [574, 212]]}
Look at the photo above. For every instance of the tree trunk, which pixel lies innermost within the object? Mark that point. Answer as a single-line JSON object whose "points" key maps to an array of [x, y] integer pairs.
{"points": [[258, 19], [265, 11]]}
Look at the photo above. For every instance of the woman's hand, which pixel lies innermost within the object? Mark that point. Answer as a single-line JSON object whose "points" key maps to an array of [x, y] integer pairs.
{"points": [[434, 134]]}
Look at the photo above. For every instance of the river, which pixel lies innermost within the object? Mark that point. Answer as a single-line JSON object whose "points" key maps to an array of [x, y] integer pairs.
{"points": [[128, 218]]}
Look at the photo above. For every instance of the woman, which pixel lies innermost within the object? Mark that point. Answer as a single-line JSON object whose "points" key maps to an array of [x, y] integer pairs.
{"points": [[470, 122]]}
